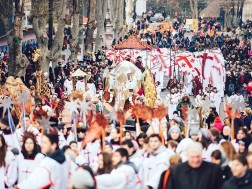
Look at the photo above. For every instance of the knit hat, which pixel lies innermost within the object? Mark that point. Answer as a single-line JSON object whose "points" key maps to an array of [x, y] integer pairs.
{"points": [[194, 131], [174, 128], [218, 124], [81, 179]]}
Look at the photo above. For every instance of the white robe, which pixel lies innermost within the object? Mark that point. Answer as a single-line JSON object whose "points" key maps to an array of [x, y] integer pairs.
{"points": [[27, 166], [49, 173], [8, 173], [154, 166], [90, 152], [80, 85], [216, 99], [123, 177], [91, 88], [198, 100], [172, 102], [68, 86], [188, 84], [12, 141]]}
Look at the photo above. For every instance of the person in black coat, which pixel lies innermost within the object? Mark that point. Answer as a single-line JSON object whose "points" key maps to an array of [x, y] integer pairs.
{"points": [[195, 173], [242, 176]]}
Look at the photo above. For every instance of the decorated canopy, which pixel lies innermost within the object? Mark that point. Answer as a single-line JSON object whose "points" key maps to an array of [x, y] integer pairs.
{"points": [[133, 42]]}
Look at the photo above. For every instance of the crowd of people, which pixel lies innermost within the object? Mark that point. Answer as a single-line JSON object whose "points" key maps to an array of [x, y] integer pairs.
{"points": [[202, 157], [207, 153]]}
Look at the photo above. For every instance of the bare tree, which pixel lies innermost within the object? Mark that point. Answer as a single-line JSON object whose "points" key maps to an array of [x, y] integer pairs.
{"points": [[117, 16], [100, 18], [91, 26], [14, 33], [194, 8], [40, 13], [74, 45]]}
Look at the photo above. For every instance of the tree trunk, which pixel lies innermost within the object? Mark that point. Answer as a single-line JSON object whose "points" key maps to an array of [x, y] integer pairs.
{"points": [[55, 51], [129, 13], [74, 45], [100, 17], [117, 17], [91, 26], [194, 8], [17, 61], [39, 11]]}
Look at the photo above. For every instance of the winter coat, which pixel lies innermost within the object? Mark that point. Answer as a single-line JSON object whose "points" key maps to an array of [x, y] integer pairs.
{"points": [[239, 183], [207, 176]]}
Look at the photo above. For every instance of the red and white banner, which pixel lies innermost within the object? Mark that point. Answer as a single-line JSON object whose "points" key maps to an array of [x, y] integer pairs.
{"points": [[209, 65]]}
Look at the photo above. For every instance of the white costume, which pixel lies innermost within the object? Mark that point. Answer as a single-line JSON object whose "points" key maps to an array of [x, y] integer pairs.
{"points": [[91, 88], [216, 99], [188, 84], [122, 177], [172, 102], [27, 166], [239, 99], [80, 85], [91, 151], [154, 166], [11, 140], [198, 100], [68, 86], [8, 173], [52, 173]]}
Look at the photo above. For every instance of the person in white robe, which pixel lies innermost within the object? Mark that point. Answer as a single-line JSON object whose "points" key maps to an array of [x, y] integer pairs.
{"points": [[91, 87], [123, 176], [189, 84], [81, 85], [26, 126], [199, 99], [215, 97], [53, 171], [239, 100], [68, 86], [90, 153], [156, 164], [29, 158], [11, 137], [8, 166], [171, 101]]}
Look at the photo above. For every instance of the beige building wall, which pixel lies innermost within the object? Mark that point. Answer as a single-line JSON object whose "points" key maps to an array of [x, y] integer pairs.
{"points": [[247, 10]]}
